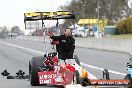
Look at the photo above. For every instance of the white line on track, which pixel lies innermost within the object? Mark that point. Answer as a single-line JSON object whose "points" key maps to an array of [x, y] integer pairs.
{"points": [[111, 71], [20, 47], [90, 66]]}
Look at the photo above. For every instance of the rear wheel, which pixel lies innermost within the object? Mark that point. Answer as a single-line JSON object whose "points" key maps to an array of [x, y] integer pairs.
{"points": [[34, 65]]}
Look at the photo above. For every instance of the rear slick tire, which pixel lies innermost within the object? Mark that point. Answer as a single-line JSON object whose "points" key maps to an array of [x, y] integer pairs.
{"points": [[34, 65]]}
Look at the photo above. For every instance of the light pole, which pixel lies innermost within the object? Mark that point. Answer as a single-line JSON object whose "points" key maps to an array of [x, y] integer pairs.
{"points": [[98, 15], [83, 4], [37, 22]]}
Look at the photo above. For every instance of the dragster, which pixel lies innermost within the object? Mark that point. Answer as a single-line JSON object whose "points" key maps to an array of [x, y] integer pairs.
{"points": [[48, 69]]}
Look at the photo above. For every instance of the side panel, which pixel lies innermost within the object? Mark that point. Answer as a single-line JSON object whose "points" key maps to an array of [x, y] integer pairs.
{"points": [[60, 76]]}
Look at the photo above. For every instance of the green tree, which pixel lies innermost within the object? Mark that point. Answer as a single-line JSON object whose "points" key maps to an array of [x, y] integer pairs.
{"points": [[16, 29], [124, 26], [4, 32], [113, 10]]}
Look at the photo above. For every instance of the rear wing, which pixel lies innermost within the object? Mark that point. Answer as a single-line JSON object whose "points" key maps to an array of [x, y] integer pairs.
{"points": [[34, 16]]}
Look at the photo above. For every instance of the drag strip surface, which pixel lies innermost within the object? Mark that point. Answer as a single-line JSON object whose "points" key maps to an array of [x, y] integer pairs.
{"points": [[14, 58]]}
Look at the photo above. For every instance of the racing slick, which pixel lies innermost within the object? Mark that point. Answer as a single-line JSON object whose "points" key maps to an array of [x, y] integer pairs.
{"points": [[66, 44]]}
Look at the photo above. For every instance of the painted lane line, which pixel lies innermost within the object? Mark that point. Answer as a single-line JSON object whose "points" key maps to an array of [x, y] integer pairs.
{"points": [[90, 66], [111, 71], [20, 47]]}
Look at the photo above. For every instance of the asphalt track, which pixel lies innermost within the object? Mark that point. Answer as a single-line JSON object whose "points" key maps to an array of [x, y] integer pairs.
{"points": [[15, 54]]}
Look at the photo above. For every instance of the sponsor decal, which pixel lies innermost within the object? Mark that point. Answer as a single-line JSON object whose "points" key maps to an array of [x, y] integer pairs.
{"points": [[49, 78], [45, 81], [110, 82]]}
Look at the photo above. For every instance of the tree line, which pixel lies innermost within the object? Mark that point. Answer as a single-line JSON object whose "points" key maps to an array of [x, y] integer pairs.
{"points": [[124, 26], [4, 31], [113, 10]]}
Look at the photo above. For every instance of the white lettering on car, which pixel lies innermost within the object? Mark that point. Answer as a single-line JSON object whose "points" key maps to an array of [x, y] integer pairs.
{"points": [[45, 81], [45, 76]]}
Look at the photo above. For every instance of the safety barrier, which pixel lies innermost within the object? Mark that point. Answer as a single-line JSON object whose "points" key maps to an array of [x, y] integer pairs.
{"points": [[118, 45]]}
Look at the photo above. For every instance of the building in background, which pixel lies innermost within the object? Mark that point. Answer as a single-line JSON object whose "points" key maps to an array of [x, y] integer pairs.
{"points": [[93, 22]]}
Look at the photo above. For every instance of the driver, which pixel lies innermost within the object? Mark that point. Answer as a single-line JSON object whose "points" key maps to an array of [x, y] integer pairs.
{"points": [[66, 45]]}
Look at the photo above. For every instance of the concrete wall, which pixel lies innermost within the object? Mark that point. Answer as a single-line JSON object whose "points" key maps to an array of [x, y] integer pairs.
{"points": [[119, 45]]}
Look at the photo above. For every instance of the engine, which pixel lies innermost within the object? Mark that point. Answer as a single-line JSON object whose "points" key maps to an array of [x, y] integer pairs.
{"points": [[50, 61]]}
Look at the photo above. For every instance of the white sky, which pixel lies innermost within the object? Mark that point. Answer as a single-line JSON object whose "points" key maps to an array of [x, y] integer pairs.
{"points": [[11, 11]]}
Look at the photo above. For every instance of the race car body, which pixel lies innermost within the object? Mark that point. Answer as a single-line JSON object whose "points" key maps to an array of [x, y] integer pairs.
{"points": [[66, 72]]}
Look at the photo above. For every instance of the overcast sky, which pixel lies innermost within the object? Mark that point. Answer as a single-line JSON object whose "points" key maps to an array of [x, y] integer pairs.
{"points": [[11, 11]]}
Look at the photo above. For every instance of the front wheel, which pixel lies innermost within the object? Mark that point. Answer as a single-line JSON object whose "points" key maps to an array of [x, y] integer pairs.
{"points": [[106, 74], [128, 76]]}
